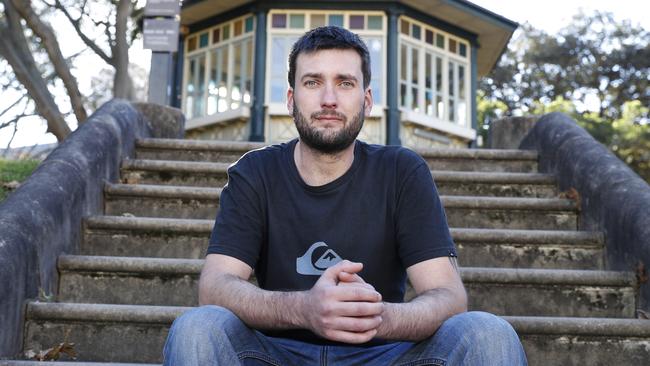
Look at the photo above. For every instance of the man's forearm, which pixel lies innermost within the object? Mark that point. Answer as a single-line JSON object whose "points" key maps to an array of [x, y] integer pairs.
{"points": [[258, 308], [421, 317]]}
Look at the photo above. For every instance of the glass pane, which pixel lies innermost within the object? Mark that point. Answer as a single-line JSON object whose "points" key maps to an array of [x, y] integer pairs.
{"points": [[239, 27], [199, 77], [191, 44], [216, 34], [452, 109], [440, 40], [462, 49], [248, 87], [452, 45], [403, 63], [356, 22], [249, 24], [336, 20], [402, 95], [404, 27], [427, 71], [415, 32], [428, 36], [226, 32], [438, 75], [376, 62], [203, 40], [428, 103], [414, 99], [462, 113], [440, 107], [317, 20], [279, 21], [415, 53], [189, 101], [297, 21], [451, 79], [235, 91], [461, 82], [213, 90], [375, 22], [222, 85]]}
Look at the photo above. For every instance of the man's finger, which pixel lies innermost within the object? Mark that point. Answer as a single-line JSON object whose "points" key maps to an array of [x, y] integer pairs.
{"points": [[358, 309], [332, 273], [351, 337], [350, 277]]}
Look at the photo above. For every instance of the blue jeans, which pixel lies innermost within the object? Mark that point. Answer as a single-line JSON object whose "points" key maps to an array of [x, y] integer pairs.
{"points": [[212, 335]]}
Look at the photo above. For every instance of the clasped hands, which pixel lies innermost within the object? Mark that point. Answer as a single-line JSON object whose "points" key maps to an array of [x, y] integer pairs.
{"points": [[342, 307]]}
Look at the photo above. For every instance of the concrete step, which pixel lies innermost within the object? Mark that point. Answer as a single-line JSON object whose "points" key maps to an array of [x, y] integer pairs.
{"points": [[496, 184], [462, 211], [214, 175], [504, 291], [129, 333], [184, 238], [100, 332], [485, 160]]}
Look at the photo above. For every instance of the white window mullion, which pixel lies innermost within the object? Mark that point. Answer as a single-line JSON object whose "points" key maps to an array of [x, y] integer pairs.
{"points": [[421, 80]]}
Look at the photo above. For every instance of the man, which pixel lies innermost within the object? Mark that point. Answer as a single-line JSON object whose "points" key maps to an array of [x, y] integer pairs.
{"points": [[332, 227]]}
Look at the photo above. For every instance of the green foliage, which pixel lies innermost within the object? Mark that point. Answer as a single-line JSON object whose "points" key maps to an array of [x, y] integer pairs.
{"points": [[12, 172], [596, 70]]}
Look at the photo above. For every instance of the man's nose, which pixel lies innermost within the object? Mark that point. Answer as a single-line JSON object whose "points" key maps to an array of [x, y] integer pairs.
{"points": [[328, 98]]}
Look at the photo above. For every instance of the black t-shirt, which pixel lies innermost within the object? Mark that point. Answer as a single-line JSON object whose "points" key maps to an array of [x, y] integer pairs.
{"points": [[383, 212]]}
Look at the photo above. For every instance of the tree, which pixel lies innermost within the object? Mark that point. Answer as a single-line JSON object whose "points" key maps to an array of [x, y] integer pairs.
{"points": [[595, 69], [30, 47]]}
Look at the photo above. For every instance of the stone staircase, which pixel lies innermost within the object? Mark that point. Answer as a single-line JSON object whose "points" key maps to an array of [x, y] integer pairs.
{"points": [[521, 253]]}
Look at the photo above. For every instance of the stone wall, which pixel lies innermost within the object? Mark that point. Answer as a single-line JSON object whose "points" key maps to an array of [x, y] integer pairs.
{"points": [[612, 198], [42, 218]]}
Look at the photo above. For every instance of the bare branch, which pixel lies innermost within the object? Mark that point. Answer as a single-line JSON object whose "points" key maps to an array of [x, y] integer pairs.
{"points": [[49, 41], [76, 23], [12, 105]]}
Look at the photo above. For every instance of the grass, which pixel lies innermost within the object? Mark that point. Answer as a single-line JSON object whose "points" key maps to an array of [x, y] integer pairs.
{"points": [[14, 170]]}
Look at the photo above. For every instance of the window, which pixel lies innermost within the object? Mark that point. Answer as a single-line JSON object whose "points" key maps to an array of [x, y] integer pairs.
{"points": [[219, 68], [285, 27], [434, 73]]}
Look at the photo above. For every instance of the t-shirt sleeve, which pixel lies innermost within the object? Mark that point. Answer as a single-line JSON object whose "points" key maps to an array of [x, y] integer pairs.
{"points": [[239, 227], [422, 230]]}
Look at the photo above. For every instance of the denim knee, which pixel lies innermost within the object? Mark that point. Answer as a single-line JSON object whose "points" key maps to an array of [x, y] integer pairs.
{"points": [[487, 334], [204, 320]]}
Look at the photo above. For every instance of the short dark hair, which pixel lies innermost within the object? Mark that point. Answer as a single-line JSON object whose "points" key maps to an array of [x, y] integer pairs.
{"points": [[327, 38]]}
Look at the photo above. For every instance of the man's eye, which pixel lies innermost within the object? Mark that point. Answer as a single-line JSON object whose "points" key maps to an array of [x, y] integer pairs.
{"points": [[310, 83], [347, 84]]}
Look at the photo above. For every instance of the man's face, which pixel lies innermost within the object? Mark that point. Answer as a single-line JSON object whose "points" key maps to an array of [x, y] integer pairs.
{"points": [[329, 101]]}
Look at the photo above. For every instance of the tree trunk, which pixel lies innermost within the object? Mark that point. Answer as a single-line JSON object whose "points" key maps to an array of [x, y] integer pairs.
{"points": [[49, 41], [122, 83], [14, 48]]}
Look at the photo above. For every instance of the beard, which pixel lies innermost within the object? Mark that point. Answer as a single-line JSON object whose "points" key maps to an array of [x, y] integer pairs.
{"points": [[328, 142]]}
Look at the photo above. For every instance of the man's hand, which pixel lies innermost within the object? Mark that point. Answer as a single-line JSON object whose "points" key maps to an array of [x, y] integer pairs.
{"points": [[342, 307]]}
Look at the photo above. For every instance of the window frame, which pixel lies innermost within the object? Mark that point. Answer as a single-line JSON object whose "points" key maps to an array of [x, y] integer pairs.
{"points": [[208, 52], [446, 57]]}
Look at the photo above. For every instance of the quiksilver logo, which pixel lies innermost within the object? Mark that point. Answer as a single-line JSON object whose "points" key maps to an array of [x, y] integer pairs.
{"points": [[306, 265]]}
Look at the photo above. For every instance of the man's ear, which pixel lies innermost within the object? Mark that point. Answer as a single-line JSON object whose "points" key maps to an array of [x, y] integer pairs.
{"points": [[290, 100], [367, 98]]}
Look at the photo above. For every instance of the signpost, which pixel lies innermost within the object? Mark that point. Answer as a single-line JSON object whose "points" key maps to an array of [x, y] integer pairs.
{"points": [[161, 26]]}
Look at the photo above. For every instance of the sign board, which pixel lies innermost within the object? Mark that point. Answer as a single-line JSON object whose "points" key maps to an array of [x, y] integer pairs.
{"points": [[162, 8], [161, 35]]}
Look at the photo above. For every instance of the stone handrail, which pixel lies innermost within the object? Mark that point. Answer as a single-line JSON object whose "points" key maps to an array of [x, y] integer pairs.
{"points": [[42, 218], [612, 197]]}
